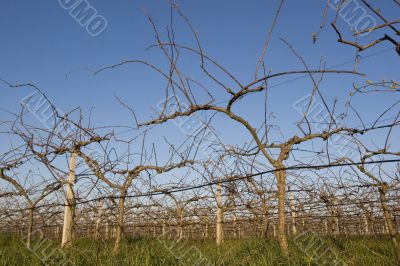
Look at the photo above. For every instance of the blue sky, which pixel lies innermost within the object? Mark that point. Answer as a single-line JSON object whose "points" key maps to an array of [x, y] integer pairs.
{"points": [[41, 43]]}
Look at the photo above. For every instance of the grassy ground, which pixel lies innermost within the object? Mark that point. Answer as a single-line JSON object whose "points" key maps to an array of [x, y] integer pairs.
{"points": [[304, 250]]}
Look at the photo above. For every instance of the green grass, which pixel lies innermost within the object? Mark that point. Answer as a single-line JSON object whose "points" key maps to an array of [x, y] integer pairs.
{"points": [[305, 250]]}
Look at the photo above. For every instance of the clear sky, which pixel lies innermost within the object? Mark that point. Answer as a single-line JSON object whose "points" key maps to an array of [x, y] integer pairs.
{"points": [[41, 43]]}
